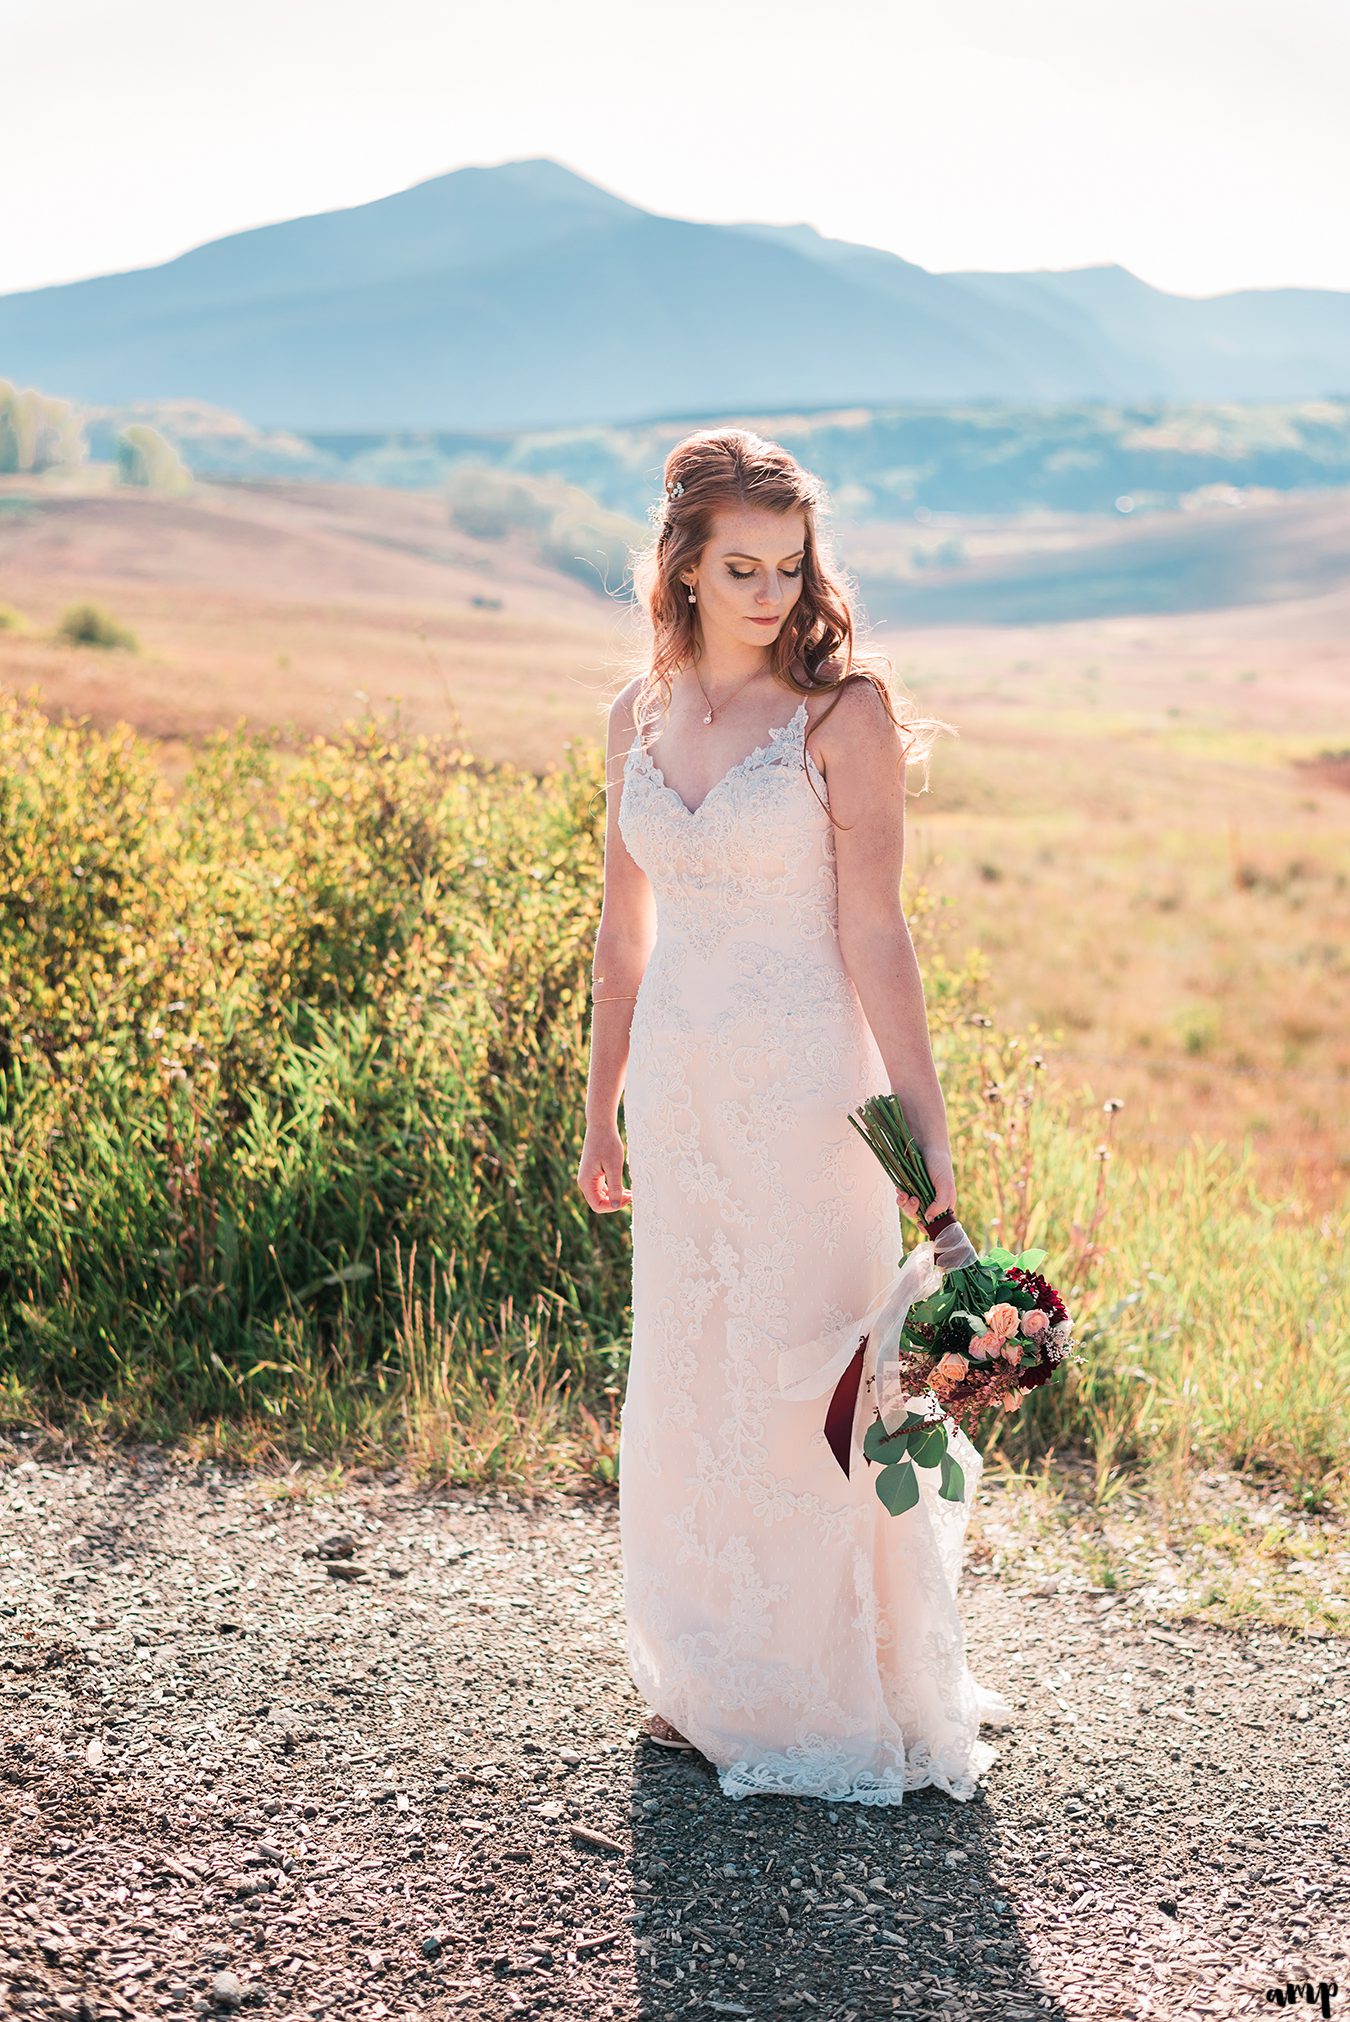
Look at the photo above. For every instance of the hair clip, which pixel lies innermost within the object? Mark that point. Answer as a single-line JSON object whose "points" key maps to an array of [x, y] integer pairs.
{"points": [[674, 490]]}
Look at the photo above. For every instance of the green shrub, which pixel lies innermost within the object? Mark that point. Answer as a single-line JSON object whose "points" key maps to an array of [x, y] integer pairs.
{"points": [[147, 458], [563, 524], [38, 431], [87, 625], [292, 1088]]}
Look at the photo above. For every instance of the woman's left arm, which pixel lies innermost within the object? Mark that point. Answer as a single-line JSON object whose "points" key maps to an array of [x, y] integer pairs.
{"points": [[864, 761]]}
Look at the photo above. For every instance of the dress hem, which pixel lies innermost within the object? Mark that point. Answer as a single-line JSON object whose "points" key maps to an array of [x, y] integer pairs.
{"points": [[742, 1780]]}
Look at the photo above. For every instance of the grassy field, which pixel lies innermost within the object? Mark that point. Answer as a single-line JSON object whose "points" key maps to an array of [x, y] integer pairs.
{"points": [[293, 1042], [1138, 837], [291, 1070]]}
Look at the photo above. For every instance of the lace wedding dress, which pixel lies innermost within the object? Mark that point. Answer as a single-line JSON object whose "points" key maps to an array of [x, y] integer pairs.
{"points": [[807, 1641]]}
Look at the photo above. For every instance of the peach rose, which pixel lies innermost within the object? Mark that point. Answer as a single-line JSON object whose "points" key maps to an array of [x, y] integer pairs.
{"points": [[951, 1368], [1035, 1323], [1011, 1400], [1002, 1320], [983, 1346]]}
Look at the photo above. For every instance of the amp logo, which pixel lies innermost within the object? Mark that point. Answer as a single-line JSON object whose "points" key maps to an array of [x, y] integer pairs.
{"points": [[1295, 1991]]}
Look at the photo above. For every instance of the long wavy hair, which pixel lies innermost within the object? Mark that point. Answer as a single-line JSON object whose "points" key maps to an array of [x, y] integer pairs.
{"points": [[815, 650]]}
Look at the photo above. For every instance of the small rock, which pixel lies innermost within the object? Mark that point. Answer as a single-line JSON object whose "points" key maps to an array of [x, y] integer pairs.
{"points": [[242, 1885], [550, 1808], [341, 1570], [227, 1990], [1167, 1904], [431, 1948], [340, 1546]]}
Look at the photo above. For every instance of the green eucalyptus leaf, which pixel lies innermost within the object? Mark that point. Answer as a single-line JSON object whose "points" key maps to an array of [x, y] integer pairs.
{"points": [[878, 1444], [928, 1449], [953, 1486], [898, 1487]]}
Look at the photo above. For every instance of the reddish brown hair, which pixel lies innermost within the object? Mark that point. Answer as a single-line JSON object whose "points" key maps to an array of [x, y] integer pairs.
{"points": [[814, 650]]}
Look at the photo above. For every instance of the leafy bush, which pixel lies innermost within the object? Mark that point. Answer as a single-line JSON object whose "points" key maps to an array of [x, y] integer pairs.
{"points": [[146, 458], [87, 625], [292, 1088], [563, 524], [38, 431]]}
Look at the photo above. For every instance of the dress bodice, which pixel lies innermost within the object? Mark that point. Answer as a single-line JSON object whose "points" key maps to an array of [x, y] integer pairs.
{"points": [[746, 888]]}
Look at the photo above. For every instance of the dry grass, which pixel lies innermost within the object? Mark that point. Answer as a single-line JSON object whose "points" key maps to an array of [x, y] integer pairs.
{"points": [[1133, 828]]}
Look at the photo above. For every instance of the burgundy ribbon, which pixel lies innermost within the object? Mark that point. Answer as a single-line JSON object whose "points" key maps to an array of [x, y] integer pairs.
{"points": [[844, 1403], [839, 1416]]}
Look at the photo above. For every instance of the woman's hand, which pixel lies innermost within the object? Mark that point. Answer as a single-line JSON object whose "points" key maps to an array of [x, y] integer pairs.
{"points": [[944, 1188], [600, 1174]]}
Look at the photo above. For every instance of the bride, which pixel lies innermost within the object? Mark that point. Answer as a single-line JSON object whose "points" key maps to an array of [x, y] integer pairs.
{"points": [[753, 981]]}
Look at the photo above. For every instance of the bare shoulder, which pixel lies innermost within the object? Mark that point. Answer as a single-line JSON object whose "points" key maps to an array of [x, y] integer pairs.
{"points": [[622, 725], [853, 720], [621, 708]]}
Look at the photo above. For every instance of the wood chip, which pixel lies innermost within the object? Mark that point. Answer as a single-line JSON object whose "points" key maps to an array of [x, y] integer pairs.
{"points": [[600, 1840]]}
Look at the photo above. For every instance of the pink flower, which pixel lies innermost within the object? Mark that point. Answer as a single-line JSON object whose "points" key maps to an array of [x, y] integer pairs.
{"points": [[983, 1346], [1011, 1400], [1012, 1351], [950, 1369], [1002, 1320], [1035, 1323]]}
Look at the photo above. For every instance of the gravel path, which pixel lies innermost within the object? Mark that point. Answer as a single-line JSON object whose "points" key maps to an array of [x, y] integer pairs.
{"points": [[376, 1755]]}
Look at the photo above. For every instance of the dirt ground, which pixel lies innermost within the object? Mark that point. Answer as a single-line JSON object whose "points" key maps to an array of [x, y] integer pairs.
{"points": [[375, 1753]]}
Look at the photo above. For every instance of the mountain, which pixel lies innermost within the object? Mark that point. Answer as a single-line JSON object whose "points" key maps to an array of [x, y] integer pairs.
{"points": [[524, 296]]}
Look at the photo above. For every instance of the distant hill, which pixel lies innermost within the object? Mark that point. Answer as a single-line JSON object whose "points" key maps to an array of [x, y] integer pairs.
{"points": [[880, 464], [523, 296], [256, 549]]}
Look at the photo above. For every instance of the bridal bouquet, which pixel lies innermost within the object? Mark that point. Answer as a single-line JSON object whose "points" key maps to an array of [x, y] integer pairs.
{"points": [[956, 1334]]}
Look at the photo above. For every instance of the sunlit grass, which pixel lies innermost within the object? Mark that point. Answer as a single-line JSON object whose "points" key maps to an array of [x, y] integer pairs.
{"points": [[292, 1068]]}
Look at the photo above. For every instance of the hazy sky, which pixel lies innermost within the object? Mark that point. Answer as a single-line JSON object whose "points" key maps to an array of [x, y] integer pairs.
{"points": [[1202, 143]]}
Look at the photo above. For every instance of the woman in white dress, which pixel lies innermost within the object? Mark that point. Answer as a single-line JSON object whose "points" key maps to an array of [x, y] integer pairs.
{"points": [[753, 981]]}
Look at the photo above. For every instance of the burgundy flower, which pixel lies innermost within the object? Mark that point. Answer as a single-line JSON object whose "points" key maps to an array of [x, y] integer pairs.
{"points": [[1044, 1295]]}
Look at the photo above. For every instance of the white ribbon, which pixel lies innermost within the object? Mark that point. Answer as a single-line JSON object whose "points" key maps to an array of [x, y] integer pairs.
{"points": [[814, 1367]]}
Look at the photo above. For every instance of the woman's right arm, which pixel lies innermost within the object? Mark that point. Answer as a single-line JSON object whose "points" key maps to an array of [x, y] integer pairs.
{"points": [[623, 944]]}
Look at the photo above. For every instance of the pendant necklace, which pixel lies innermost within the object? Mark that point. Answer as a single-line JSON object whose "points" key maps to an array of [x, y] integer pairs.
{"points": [[731, 698]]}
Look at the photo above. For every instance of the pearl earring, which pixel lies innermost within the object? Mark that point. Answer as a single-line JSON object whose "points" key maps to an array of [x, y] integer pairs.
{"points": [[689, 588]]}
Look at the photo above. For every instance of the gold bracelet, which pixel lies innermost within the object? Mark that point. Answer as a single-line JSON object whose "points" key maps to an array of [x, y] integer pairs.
{"points": [[628, 998]]}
